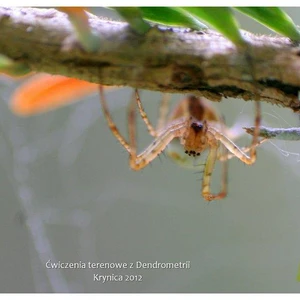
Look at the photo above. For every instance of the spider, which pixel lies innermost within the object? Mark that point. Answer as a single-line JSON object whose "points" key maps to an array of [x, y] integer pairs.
{"points": [[193, 126]]}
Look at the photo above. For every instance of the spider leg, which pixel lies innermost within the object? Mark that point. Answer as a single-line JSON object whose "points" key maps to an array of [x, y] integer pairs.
{"points": [[235, 151], [233, 148], [110, 121], [150, 128], [241, 152], [163, 111], [209, 167], [224, 152], [255, 140], [228, 156], [139, 161], [132, 126]]}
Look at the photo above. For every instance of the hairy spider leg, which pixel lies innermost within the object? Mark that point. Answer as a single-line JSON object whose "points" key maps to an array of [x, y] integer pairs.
{"points": [[110, 122], [230, 155], [209, 167], [224, 151], [255, 140], [194, 123], [233, 148], [163, 112], [137, 162], [144, 116], [173, 130]]}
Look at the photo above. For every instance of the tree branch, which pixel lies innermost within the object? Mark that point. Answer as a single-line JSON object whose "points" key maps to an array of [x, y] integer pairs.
{"points": [[167, 60], [285, 134]]}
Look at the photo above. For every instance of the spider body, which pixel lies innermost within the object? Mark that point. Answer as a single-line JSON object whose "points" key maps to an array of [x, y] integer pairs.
{"points": [[196, 139], [192, 128]]}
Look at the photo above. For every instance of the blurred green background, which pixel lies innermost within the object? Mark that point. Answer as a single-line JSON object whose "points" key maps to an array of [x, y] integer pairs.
{"points": [[68, 195]]}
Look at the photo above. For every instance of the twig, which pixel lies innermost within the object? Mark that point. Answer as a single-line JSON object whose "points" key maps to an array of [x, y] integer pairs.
{"points": [[286, 134], [164, 59]]}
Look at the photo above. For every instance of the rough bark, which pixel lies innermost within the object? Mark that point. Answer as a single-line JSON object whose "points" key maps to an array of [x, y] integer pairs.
{"points": [[167, 60]]}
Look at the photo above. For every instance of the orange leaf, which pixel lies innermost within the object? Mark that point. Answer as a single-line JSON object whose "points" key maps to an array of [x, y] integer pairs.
{"points": [[45, 92]]}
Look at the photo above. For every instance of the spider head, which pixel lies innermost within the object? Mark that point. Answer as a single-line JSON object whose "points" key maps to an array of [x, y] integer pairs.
{"points": [[196, 126], [195, 141]]}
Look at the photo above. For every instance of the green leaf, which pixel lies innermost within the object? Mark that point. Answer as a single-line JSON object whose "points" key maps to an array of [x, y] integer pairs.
{"points": [[133, 16], [171, 16], [12, 68], [79, 19], [273, 18], [220, 18], [5, 61]]}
